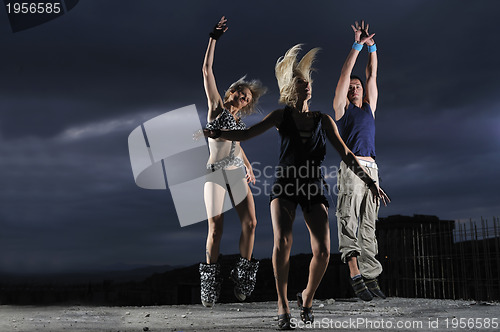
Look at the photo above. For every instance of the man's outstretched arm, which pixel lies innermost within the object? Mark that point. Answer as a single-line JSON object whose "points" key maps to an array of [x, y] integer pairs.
{"points": [[340, 99], [371, 95]]}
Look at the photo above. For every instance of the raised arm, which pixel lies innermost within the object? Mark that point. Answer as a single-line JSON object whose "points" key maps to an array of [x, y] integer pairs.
{"points": [[340, 101], [371, 96], [271, 120], [213, 97], [350, 159]]}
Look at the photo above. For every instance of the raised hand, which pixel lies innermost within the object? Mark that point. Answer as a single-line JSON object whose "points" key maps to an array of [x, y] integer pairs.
{"points": [[366, 34], [361, 35], [219, 28]]}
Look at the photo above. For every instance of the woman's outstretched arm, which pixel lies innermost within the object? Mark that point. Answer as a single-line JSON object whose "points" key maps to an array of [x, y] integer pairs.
{"points": [[350, 159], [213, 96], [271, 120]]}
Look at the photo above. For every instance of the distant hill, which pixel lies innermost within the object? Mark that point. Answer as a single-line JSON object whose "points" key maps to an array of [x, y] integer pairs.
{"points": [[118, 273]]}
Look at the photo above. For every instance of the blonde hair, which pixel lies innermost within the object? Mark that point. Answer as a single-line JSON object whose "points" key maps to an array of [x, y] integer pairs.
{"points": [[288, 70], [255, 87]]}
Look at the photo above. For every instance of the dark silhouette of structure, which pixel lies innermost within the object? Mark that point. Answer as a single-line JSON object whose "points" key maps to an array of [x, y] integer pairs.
{"points": [[426, 257]]}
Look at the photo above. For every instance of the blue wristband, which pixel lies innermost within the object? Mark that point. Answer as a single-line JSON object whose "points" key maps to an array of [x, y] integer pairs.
{"points": [[357, 47], [372, 48]]}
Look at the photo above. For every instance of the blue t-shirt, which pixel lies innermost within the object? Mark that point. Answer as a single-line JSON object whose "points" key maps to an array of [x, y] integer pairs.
{"points": [[357, 129]]}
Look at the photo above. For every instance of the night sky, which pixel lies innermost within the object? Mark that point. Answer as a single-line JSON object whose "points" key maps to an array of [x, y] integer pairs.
{"points": [[72, 90]]}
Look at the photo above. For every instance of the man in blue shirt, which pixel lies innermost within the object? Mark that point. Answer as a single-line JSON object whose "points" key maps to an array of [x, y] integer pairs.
{"points": [[357, 208]]}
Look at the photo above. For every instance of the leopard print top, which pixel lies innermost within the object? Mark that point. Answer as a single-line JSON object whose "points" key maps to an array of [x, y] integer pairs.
{"points": [[225, 120]]}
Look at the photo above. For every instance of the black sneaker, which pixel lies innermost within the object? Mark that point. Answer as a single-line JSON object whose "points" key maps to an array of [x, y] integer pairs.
{"points": [[360, 289], [374, 288]]}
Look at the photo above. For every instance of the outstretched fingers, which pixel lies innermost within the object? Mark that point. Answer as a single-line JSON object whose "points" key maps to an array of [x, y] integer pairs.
{"points": [[222, 24], [379, 194], [205, 133], [357, 31], [223, 20], [361, 34], [383, 196], [198, 134], [250, 176]]}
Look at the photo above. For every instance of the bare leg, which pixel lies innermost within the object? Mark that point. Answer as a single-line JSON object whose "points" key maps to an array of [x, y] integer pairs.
{"points": [[282, 215], [319, 230], [353, 266], [214, 200], [246, 212]]}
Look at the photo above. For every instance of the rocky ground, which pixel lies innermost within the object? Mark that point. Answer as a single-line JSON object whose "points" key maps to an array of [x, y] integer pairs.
{"points": [[392, 314]]}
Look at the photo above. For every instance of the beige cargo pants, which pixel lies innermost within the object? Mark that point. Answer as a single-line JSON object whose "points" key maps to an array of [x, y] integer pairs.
{"points": [[356, 216]]}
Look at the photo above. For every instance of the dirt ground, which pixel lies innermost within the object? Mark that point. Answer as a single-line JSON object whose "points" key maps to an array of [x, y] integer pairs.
{"points": [[392, 314]]}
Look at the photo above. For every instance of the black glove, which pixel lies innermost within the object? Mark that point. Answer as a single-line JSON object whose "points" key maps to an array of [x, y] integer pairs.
{"points": [[216, 33]]}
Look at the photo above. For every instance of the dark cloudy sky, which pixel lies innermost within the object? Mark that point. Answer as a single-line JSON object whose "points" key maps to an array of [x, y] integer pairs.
{"points": [[73, 89]]}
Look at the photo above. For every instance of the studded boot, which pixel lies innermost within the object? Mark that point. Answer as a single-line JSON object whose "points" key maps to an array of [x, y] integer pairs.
{"points": [[210, 282], [244, 276]]}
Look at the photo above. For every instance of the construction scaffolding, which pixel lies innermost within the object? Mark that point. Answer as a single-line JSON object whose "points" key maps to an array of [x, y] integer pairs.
{"points": [[426, 257]]}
